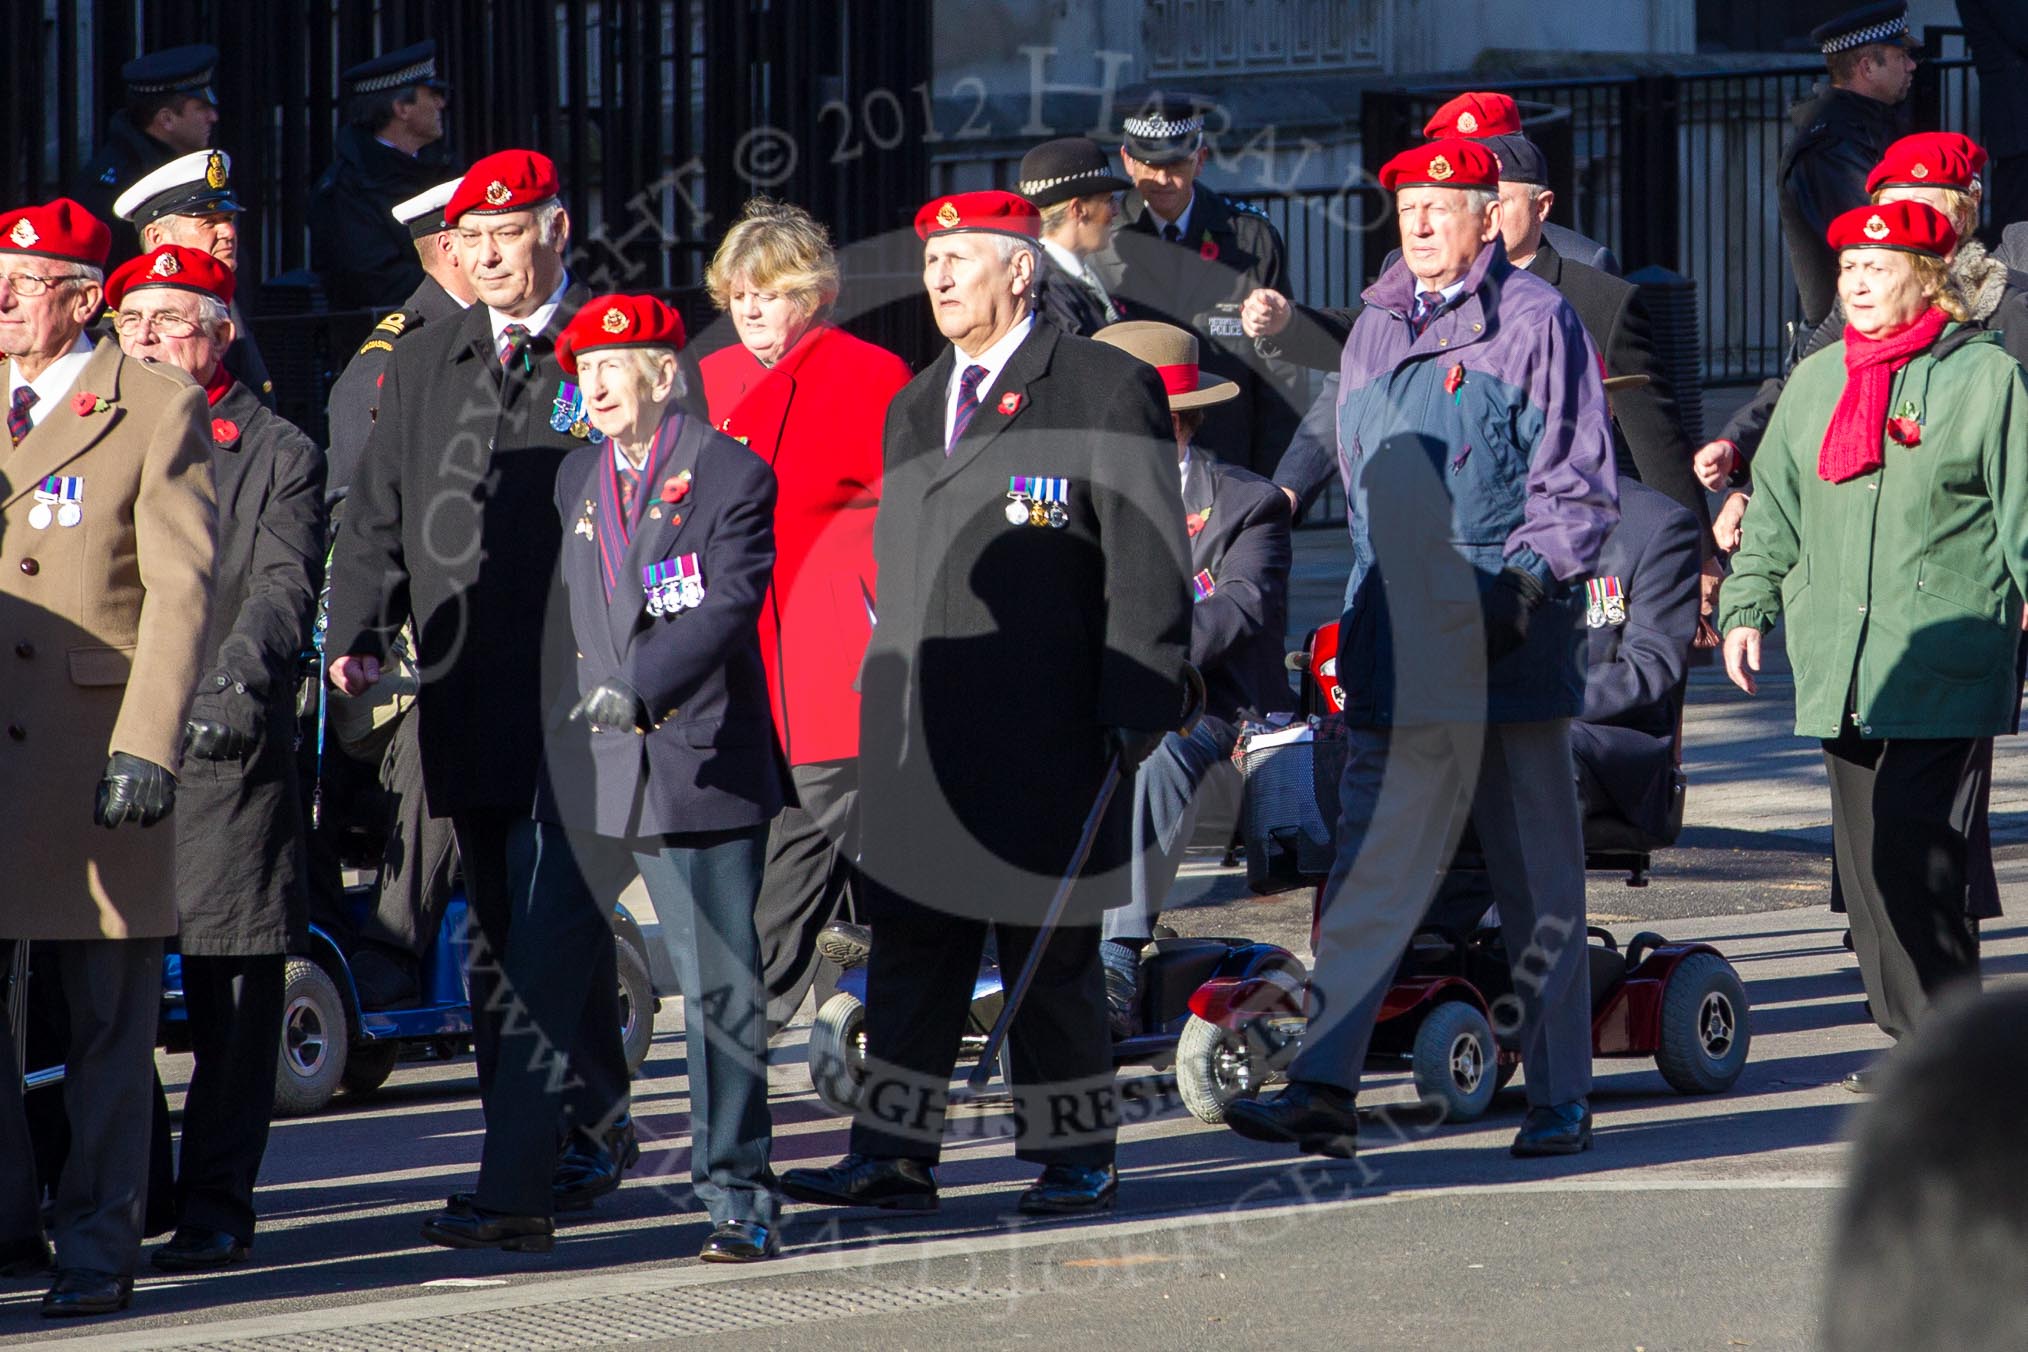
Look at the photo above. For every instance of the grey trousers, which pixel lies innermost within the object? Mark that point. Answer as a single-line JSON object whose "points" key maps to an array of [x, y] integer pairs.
{"points": [[1406, 795], [114, 991], [1165, 818], [806, 883]]}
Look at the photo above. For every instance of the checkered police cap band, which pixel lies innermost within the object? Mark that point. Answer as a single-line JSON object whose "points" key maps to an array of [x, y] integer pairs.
{"points": [[181, 83], [1029, 187], [1888, 31], [420, 73], [1160, 128]]}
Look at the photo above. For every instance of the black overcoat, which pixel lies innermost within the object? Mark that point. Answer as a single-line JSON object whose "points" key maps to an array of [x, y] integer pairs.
{"points": [[1003, 652], [241, 873], [452, 520], [1239, 524], [355, 398]]}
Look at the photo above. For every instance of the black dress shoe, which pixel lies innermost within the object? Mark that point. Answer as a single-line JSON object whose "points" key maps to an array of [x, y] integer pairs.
{"points": [[194, 1248], [27, 1257], [866, 1180], [1318, 1119], [1560, 1129], [471, 1227], [845, 944], [1066, 1190], [1862, 1081], [740, 1242], [586, 1171], [83, 1291]]}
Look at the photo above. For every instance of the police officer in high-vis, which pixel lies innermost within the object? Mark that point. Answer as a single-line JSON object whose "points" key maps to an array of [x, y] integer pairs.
{"points": [[170, 111], [189, 201], [241, 894], [1189, 256]]}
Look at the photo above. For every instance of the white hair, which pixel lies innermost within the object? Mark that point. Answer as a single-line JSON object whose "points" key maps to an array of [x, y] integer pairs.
{"points": [[87, 274], [546, 217], [1008, 246], [1478, 199], [211, 311]]}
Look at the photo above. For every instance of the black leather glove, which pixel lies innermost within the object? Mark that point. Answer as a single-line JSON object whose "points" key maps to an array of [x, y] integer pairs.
{"points": [[134, 790], [1134, 745], [225, 720], [614, 706], [1511, 602]]}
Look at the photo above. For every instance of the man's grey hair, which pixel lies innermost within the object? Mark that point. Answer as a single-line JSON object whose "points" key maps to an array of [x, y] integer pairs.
{"points": [[86, 274], [1478, 199], [211, 311], [1008, 246], [546, 217]]}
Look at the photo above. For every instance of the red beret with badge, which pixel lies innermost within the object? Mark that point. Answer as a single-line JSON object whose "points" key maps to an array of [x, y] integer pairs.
{"points": [[1475, 115], [1448, 163], [1912, 227], [174, 266], [1000, 213], [508, 180], [618, 321], [1930, 159], [60, 229]]}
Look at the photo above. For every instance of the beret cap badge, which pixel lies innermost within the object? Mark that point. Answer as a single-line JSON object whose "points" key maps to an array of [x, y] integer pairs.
{"points": [[165, 266], [498, 193], [947, 215], [615, 320], [1876, 228], [214, 171], [1921, 170], [23, 234], [1467, 124], [1440, 169]]}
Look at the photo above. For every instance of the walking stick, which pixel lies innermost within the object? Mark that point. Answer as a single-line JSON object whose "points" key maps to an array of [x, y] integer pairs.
{"points": [[17, 1009], [982, 1069]]}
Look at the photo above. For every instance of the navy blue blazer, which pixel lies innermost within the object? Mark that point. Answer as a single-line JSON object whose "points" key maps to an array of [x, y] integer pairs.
{"points": [[709, 764], [1239, 632]]}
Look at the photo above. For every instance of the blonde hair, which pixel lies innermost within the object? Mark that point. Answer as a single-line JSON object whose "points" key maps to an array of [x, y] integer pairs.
{"points": [[1934, 276], [778, 247], [1961, 208]]}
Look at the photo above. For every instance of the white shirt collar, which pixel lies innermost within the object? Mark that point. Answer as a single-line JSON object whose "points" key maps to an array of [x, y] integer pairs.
{"points": [[55, 381], [994, 359], [1065, 259], [535, 323], [1449, 293], [1183, 470], [1182, 223]]}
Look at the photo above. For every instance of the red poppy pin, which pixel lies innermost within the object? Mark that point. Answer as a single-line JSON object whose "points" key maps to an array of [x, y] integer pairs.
{"points": [[1010, 403], [1195, 522], [1906, 431], [84, 402], [1208, 250], [1454, 380], [224, 431], [677, 488]]}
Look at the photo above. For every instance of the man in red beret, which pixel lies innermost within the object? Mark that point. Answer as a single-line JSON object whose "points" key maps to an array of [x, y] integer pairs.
{"points": [[241, 885], [1034, 615], [106, 557], [1476, 447], [451, 524]]}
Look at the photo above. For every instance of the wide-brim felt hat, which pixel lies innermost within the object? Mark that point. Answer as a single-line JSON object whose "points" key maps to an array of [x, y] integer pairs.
{"points": [[1173, 354]]}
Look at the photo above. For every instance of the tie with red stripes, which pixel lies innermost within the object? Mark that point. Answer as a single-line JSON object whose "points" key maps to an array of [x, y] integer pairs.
{"points": [[18, 423], [968, 402]]}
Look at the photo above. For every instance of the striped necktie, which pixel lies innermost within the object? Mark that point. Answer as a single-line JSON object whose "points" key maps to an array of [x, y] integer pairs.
{"points": [[968, 403], [1427, 304], [18, 423]]}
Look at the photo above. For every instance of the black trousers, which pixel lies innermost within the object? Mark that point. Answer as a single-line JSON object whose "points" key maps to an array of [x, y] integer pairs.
{"points": [[417, 861], [542, 977], [808, 879], [113, 990], [918, 989], [1901, 856], [235, 1006]]}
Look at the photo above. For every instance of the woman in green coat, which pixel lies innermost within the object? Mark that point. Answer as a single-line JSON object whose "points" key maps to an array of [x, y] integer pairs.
{"points": [[1890, 527]]}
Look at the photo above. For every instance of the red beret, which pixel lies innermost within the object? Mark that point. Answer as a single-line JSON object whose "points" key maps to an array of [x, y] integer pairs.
{"points": [[1471, 115], [1930, 159], [1003, 213], [1448, 163], [172, 265], [510, 180], [1913, 227], [618, 321], [60, 229]]}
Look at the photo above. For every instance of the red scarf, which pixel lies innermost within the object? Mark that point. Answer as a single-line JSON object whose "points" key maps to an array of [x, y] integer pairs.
{"points": [[1852, 443], [220, 383]]}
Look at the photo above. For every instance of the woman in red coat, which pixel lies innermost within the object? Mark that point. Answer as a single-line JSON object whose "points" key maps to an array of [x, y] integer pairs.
{"points": [[810, 400]]}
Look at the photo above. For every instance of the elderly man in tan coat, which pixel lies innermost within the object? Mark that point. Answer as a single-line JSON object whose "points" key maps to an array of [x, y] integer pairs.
{"points": [[107, 528]]}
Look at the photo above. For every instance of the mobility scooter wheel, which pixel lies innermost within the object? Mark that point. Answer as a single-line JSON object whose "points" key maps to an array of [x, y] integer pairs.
{"points": [[837, 1052], [1215, 1068], [637, 1004], [368, 1065], [315, 1040], [1705, 1026], [1455, 1061]]}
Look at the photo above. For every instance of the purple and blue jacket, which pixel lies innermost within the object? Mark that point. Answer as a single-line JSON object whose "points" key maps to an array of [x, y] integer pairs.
{"points": [[1482, 443]]}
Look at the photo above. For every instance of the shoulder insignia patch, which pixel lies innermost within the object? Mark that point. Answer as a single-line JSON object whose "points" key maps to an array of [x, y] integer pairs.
{"points": [[1243, 208], [375, 345], [393, 322]]}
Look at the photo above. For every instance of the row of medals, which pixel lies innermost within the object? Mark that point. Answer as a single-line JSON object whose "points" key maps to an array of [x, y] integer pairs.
{"points": [[69, 514], [675, 595], [1035, 512]]}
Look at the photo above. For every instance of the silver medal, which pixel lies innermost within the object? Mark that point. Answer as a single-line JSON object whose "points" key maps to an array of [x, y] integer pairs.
{"points": [[38, 516], [1017, 511], [69, 514], [1057, 516]]}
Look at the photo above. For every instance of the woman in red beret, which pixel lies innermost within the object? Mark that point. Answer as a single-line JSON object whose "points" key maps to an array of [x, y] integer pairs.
{"points": [[1890, 530], [810, 400]]}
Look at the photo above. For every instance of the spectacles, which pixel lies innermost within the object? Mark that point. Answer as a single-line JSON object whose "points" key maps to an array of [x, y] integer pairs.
{"points": [[127, 323], [28, 284]]}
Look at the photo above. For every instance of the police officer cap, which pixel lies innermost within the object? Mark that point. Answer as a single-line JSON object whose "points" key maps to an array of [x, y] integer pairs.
{"points": [[423, 213], [1863, 26], [174, 70], [196, 184], [405, 69], [1072, 166], [1164, 128]]}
